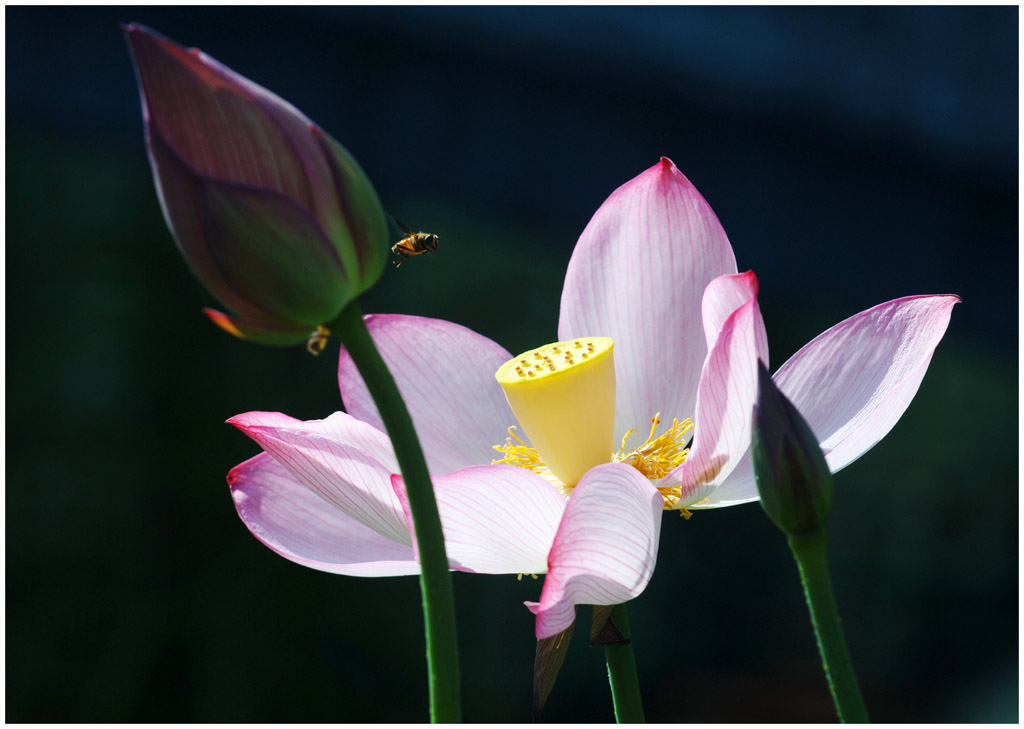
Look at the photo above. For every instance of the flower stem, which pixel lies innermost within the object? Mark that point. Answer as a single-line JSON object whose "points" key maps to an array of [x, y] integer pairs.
{"points": [[622, 674], [435, 580], [809, 551]]}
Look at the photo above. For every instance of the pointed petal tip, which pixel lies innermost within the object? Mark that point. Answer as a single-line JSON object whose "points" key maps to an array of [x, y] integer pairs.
{"points": [[952, 299], [133, 28], [242, 421], [223, 321], [272, 333], [750, 278], [235, 475], [253, 419], [667, 169], [137, 32]]}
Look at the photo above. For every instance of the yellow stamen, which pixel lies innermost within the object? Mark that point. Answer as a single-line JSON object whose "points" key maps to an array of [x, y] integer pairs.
{"points": [[655, 458], [517, 453]]}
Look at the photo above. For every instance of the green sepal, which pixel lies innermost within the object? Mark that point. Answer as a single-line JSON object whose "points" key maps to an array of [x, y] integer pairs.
{"points": [[273, 253], [361, 238]]}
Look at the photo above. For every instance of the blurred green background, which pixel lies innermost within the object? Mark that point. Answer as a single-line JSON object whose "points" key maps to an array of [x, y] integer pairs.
{"points": [[853, 155]]}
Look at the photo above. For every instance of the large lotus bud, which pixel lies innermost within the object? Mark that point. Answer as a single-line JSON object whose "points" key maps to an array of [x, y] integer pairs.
{"points": [[275, 218]]}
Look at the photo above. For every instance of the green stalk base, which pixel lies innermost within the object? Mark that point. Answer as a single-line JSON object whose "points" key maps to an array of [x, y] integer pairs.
{"points": [[629, 708], [812, 560]]}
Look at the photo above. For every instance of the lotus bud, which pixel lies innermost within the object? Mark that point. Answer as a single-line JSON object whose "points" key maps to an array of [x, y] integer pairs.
{"points": [[274, 217], [791, 473]]}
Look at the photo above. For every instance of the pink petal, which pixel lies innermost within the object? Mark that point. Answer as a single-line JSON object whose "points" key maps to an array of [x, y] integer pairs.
{"points": [[496, 519], [725, 401], [605, 548], [737, 488], [854, 381], [445, 373], [299, 525], [637, 275], [725, 295], [346, 462]]}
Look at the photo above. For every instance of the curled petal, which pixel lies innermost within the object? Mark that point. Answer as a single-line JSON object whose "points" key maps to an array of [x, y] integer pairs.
{"points": [[346, 462], [496, 519], [637, 275], [725, 295], [725, 402], [301, 526], [605, 548], [445, 373], [854, 381]]}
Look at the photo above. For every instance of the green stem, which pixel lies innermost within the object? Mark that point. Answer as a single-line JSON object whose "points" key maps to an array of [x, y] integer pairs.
{"points": [[622, 674], [435, 580], [809, 550]]}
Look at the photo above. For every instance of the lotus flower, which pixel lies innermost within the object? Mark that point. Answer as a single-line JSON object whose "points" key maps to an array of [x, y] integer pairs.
{"points": [[275, 218], [654, 320]]}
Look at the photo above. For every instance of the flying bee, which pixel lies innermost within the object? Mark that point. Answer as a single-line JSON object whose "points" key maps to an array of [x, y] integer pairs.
{"points": [[413, 244], [317, 341]]}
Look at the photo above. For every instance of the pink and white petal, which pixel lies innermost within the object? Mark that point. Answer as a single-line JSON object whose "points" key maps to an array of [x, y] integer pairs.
{"points": [[496, 519], [605, 548], [725, 402], [725, 295], [736, 488], [339, 459], [637, 275], [300, 526], [445, 373], [854, 381]]}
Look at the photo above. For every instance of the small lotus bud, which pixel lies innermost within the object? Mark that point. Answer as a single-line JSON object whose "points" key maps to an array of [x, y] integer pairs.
{"points": [[791, 473], [273, 216]]}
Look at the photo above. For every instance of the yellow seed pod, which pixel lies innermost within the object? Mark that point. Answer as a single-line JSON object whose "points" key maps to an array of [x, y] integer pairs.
{"points": [[563, 396]]}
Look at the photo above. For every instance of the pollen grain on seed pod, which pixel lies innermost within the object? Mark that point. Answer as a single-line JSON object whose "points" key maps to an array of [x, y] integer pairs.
{"points": [[577, 344]]}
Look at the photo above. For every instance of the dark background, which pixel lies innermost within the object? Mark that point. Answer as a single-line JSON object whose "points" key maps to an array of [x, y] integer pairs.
{"points": [[853, 155]]}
